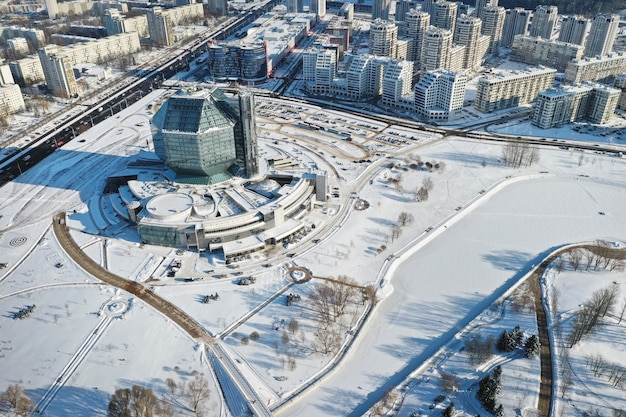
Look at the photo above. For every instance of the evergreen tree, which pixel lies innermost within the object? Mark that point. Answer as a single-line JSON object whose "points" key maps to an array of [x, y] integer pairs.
{"points": [[531, 347]]}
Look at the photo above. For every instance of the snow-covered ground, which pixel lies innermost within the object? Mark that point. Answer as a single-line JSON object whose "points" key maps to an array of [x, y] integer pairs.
{"points": [[489, 225]]}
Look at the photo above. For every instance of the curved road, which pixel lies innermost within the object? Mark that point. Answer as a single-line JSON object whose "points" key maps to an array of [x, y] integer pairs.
{"points": [[178, 316]]}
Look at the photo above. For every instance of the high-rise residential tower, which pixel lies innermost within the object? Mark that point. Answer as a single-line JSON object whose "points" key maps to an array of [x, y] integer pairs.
{"points": [[544, 21], [467, 32], [515, 23], [481, 4], [493, 21], [436, 52], [383, 38], [380, 9], [444, 15], [417, 22], [601, 35], [574, 29], [439, 95]]}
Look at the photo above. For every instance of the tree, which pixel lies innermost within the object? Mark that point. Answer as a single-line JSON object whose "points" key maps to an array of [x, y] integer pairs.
{"points": [[516, 154], [427, 183], [405, 219], [421, 195], [449, 381], [198, 392], [326, 339], [134, 402], [293, 325], [488, 388], [171, 385], [15, 399], [479, 349], [449, 411], [531, 347]]}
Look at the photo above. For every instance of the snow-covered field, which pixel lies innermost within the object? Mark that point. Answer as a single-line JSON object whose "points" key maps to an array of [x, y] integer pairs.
{"points": [[489, 223]]}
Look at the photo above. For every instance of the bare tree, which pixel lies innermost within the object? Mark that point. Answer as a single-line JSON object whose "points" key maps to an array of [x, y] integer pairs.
{"points": [[396, 232], [405, 219], [574, 257], [326, 339], [171, 385], [449, 381], [622, 310], [198, 392], [420, 195], [427, 183], [15, 400], [293, 325], [516, 154]]}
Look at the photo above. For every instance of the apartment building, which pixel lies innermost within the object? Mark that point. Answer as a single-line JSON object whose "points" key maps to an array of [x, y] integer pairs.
{"points": [[516, 22], [602, 35], [380, 9], [319, 68], [383, 38], [436, 52], [439, 95], [5, 75], [493, 22], [397, 84], [569, 103], [543, 21], [540, 51], [502, 89], [116, 23], [11, 99], [574, 29], [27, 71], [417, 23], [468, 33], [58, 71], [601, 69], [443, 14]]}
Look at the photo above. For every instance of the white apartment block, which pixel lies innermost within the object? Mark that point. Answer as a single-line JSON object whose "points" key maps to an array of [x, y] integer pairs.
{"points": [[160, 26], [515, 23], [493, 22], [502, 89], [5, 75], [319, 69], [59, 72], [602, 35], [436, 52], [557, 106], [439, 95], [397, 83], [102, 50], [468, 33], [365, 77], [27, 71], [11, 99], [117, 23], [601, 69], [18, 46], [417, 22], [540, 51], [383, 39], [602, 104], [574, 29], [544, 20], [444, 14], [480, 6]]}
